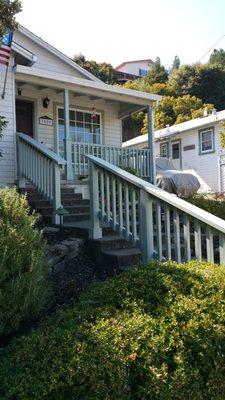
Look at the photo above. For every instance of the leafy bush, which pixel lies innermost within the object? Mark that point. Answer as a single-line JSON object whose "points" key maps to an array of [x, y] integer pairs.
{"points": [[23, 268], [215, 205], [152, 333]]}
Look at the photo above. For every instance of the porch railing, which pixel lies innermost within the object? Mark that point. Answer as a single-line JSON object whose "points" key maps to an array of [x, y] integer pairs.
{"points": [[41, 167], [161, 224], [137, 159]]}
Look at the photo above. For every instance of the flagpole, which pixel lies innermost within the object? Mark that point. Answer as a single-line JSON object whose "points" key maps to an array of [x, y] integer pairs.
{"points": [[4, 86]]}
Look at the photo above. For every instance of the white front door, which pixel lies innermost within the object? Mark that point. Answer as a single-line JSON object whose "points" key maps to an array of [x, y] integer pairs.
{"points": [[176, 154]]}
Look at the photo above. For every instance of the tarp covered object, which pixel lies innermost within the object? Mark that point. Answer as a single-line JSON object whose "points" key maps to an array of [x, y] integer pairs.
{"points": [[181, 183]]}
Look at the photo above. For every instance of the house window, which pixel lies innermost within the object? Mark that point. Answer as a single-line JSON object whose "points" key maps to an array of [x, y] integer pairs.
{"points": [[176, 151], [164, 150], [142, 72], [83, 128], [206, 141]]}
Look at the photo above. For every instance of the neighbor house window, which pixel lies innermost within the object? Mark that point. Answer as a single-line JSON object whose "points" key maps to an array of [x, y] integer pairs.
{"points": [[206, 141], [164, 150], [84, 128], [142, 72]]}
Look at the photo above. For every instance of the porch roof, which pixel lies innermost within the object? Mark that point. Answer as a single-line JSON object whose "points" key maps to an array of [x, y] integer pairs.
{"points": [[137, 99]]}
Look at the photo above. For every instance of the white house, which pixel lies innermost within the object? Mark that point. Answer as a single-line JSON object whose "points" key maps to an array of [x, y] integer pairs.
{"points": [[194, 144], [59, 104], [61, 120], [136, 67], [131, 70]]}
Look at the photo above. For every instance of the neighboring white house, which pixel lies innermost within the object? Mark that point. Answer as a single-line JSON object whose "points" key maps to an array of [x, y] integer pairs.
{"points": [[56, 102], [131, 70], [194, 144]]}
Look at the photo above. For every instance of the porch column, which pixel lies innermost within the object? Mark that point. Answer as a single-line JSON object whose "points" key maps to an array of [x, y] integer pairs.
{"points": [[151, 142], [69, 172]]}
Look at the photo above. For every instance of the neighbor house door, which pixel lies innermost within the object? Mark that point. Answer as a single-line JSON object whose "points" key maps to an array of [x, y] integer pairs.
{"points": [[25, 117], [176, 154]]}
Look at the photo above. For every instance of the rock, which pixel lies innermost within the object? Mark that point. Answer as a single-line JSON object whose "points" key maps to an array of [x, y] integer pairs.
{"points": [[59, 267], [50, 230], [61, 250]]}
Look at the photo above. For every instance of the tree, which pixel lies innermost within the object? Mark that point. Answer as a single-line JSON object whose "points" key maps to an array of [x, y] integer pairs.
{"points": [[157, 74], [172, 110], [218, 58], [206, 82], [103, 71], [176, 64], [8, 10]]}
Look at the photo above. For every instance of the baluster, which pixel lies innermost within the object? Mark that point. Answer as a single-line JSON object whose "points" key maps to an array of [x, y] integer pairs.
{"points": [[108, 199], [176, 222], [159, 229], [79, 159], [75, 159], [167, 231], [114, 222], [222, 248], [187, 237], [127, 212], [134, 216], [198, 240], [120, 205], [102, 195], [209, 245]]}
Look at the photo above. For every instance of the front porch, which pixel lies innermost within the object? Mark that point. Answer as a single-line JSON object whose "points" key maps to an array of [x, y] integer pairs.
{"points": [[75, 117]]}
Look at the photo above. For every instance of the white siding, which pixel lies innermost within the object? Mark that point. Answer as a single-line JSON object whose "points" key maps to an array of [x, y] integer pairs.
{"points": [[206, 165], [133, 68], [7, 144], [45, 60], [112, 126]]}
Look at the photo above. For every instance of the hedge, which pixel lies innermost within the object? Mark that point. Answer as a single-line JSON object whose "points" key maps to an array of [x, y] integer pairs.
{"points": [[152, 333], [23, 268]]}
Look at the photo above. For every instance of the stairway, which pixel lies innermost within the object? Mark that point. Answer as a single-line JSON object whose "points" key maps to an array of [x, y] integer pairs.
{"points": [[111, 251]]}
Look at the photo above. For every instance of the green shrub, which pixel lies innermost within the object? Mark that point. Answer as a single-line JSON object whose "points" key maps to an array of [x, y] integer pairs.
{"points": [[215, 206], [23, 268], [154, 333]]}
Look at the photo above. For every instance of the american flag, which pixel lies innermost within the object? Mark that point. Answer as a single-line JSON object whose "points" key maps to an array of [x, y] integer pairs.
{"points": [[6, 48]]}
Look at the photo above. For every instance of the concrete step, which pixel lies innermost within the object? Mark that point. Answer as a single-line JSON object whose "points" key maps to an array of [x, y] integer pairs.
{"points": [[71, 196], [120, 258], [73, 202], [68, 218], [78, 209]]}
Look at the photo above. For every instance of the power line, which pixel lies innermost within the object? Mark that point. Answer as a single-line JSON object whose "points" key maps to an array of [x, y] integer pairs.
{"points": [[212, 47]]}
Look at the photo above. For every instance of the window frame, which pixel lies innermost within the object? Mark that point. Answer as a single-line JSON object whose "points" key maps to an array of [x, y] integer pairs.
{"points": [[200, 132], [141, 75], [82, 110], [160, 146]]}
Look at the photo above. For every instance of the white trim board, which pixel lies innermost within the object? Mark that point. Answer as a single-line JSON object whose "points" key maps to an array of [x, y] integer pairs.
{"points": [[56, 52]]}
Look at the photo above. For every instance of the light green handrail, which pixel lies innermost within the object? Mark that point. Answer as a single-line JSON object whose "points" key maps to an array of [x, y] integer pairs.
{"points": [[159, 222], [41, 167]]}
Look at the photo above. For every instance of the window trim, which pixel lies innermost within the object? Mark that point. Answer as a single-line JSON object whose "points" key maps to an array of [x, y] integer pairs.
{"points": [[89, 111], [142, 69], [167, 144], [212, 150]]}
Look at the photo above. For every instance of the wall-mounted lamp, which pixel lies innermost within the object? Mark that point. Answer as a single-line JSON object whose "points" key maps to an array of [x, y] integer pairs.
{"points": [[19, 91], [46, 102]]}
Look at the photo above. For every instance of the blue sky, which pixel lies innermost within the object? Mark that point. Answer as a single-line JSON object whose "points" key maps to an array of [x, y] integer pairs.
{"points": [[119, 30]]}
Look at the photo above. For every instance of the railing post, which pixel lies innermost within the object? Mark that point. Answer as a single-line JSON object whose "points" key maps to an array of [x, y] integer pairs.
{"points": [[56, 192], [146, 226], [68, 149], [21, 180], [95, 231], [151, 143]]}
